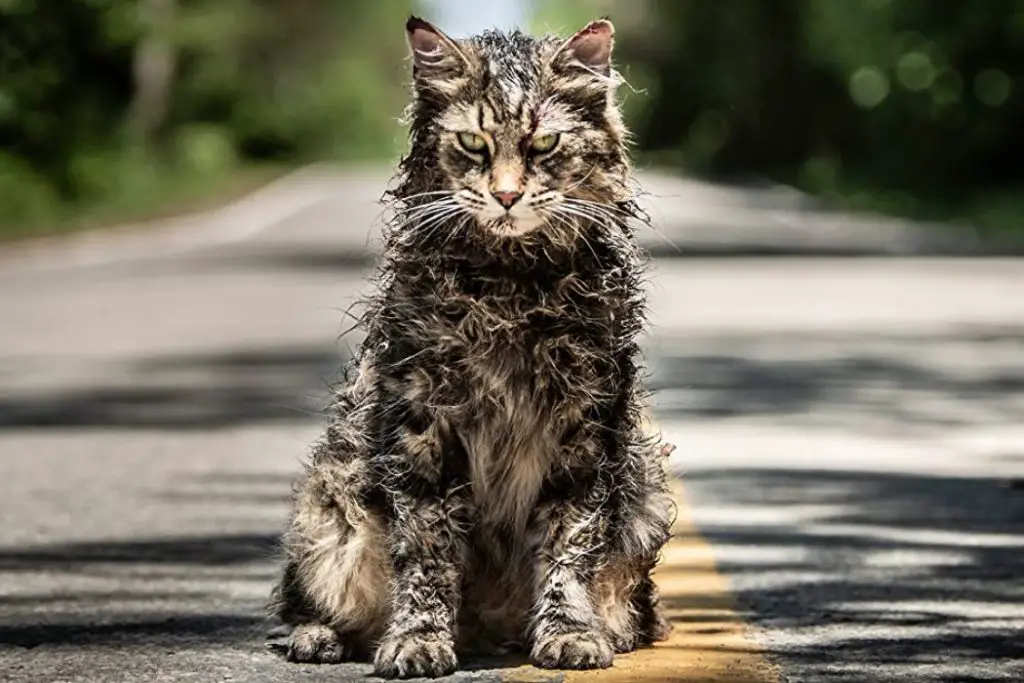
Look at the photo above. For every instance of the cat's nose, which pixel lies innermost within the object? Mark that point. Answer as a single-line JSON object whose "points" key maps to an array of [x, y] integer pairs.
{"points": [[507, 199]]}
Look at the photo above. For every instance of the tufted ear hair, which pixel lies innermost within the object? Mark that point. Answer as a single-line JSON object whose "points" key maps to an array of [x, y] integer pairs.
{"points": [[591, 48], [434, 55]]}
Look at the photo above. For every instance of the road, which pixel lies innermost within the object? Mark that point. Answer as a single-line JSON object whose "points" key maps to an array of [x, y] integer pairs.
{"points": [[850, 445]]}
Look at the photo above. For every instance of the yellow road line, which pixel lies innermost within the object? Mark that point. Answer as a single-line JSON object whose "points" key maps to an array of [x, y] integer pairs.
{"points": [[709, 641]]}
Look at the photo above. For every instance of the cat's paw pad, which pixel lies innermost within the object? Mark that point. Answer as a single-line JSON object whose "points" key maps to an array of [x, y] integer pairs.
{"points": [[316, 644], [415, 656], [585, 650]]}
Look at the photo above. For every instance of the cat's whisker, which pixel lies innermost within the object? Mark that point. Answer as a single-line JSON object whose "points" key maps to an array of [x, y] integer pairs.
{"points": [[601, 206], [409, 212], [628, 215], [421, 229], [429, 227], [431, 193], [458, 228], [581, 234], [587, 215], [434, 208], [415, 211], [447, 217], [560, 220], [618, 227], [612, 208], [426, 211], [580, 181]]}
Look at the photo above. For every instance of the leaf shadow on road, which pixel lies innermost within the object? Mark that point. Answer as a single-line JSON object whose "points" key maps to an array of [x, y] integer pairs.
{"points": [[860, 381], [869, 570], [872, 577], [194, 591], [155, 591], [188, 392]]}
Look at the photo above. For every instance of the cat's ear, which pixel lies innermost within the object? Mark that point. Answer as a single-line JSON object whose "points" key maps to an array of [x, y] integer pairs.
{"points": [[590, 48], [433, 53]]}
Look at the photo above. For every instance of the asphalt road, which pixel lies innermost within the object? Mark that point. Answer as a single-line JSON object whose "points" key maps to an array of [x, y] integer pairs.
{"points": [[850, 439]]}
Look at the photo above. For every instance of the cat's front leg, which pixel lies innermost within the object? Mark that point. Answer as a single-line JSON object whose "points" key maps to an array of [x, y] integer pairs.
{"points": [[428, 552], [429, 523], [570, 533]]}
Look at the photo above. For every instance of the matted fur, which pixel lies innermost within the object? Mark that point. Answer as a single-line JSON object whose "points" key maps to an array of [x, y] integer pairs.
{"points": [[485, 481]]}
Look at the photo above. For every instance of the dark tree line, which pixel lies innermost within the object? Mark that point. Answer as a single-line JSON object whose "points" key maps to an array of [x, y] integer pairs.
{"points": [[95, 94], [917, 105]]}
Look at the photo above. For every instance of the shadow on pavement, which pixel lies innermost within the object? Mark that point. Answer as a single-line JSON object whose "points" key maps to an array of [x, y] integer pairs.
{"points": [[188, 392], [872, 576], [861, 381], [208, 551], [206, 589], [878, 572], [143, 628]]}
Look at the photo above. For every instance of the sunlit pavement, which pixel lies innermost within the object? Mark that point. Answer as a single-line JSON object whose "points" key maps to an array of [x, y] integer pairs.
{"points": [[849, 432]]}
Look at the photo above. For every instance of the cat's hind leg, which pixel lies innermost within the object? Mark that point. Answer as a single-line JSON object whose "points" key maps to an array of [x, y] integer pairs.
{"points": [[335, 586], [318, 644]]}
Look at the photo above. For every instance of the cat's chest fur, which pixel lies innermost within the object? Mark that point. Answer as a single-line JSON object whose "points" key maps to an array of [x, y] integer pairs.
{"points": [[511, 444], [526, 375], [509, 361]]}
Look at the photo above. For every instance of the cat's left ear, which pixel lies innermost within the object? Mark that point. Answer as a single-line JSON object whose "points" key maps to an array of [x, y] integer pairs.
{"points": [[590, 48]]}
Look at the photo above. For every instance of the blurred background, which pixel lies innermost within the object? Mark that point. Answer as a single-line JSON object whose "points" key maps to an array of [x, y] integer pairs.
{"points": [[188, 209], [115, 108]]}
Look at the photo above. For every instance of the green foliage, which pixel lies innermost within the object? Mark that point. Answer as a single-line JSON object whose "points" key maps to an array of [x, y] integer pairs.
{"points": [[562, 18], [911, 106], [944, 118], [25, 196], [309, 79], [284, 81]]}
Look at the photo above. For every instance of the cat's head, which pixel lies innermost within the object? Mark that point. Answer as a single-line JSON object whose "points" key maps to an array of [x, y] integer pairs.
{"points": [[515, 133]]}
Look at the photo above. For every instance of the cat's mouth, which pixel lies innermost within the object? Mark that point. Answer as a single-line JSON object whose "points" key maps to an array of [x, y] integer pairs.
{"points": [[507, 226]]}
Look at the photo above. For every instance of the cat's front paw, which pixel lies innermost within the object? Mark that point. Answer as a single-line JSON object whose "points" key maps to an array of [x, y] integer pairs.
{"points": [[415, 656], [585, 650]]}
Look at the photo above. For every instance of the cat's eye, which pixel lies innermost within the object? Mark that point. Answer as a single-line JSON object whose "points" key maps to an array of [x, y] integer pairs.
{"points": [[544, 143], [472, 142]]}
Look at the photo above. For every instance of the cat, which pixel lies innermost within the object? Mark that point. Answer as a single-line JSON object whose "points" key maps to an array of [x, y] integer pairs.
{"points": [[485, 481]]}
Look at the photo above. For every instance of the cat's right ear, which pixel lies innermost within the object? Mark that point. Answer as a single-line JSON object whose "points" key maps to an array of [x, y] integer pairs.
{"points": [[435, 56]]}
